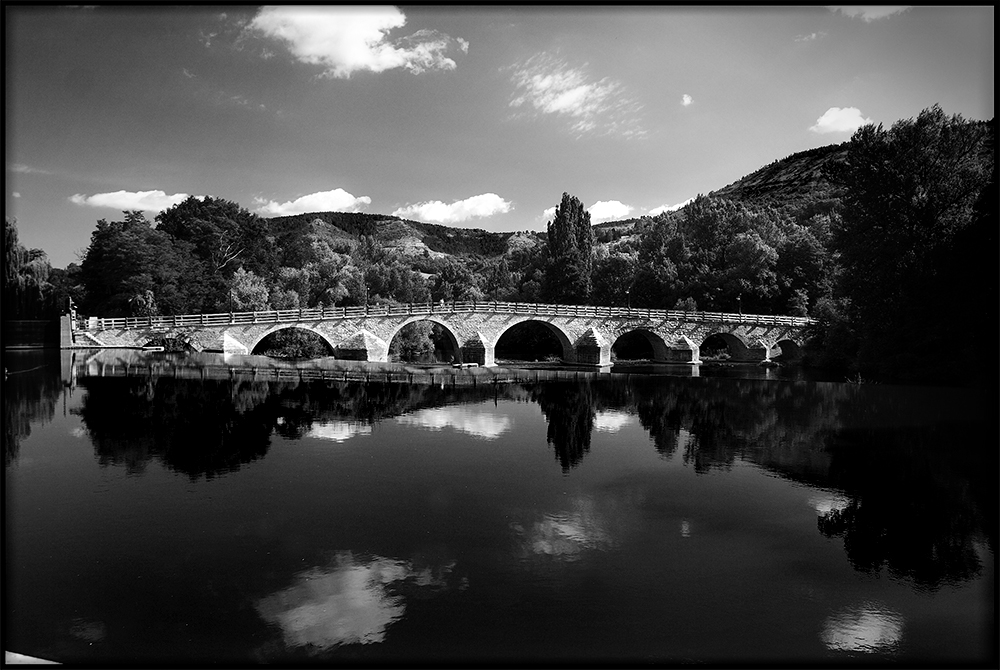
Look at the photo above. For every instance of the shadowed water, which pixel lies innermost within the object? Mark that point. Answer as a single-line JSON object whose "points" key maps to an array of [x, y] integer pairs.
{"points": [[193, 517]]}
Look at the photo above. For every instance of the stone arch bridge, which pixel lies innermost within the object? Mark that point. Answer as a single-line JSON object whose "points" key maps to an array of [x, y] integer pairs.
{"points": [[585, 333]]}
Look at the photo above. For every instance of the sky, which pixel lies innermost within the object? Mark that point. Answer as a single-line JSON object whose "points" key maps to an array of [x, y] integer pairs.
{"points": [[473, 117]]}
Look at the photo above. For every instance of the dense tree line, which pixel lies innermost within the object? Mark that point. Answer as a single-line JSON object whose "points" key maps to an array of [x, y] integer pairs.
{"points": [[904, 226]]}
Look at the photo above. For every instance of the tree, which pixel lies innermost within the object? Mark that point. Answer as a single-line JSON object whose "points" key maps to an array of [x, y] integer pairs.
{"points": [[613, 275], [249, 292], [570, 244], [27, 293], [663, 265], [908, 194], [455, 281], [129, 257], [223, 237]]}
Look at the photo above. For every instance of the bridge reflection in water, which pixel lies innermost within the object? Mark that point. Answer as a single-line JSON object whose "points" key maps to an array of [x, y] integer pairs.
{"points": [[216, 366]]}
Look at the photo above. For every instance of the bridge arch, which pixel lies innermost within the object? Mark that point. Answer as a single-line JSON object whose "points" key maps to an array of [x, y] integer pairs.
{"points": [[640, 333], [738, 349], [789, 349], [291, 326], [453, 338], [563, 338]]}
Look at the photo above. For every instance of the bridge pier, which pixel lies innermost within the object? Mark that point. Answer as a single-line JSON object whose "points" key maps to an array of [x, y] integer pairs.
{"points": [[683, 351], [593, 349], [476, 350]]}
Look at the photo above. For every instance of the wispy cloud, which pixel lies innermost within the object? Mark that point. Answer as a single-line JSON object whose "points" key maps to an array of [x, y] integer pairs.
{"points": [[669, 208], [337, 200], [869, 14], [344, 40], [607, 210], [435, 211], [839, 120], [687, 100], [545, 84], [16, 194], [20, 168], [810, 37], [147, 201]]}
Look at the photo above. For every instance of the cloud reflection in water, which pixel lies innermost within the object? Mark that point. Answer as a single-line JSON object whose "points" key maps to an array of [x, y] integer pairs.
{"points": [[348, 602], [468, 420], [566, 534], [866, 628], [611, 421], [338, 431]]}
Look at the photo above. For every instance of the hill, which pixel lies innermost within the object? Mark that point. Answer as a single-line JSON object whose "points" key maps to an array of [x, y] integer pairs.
{"points": [[783, 182], [410, 238], [790, 179]]}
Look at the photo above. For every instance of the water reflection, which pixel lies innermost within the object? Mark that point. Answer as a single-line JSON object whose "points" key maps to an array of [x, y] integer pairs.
{"points": [[566, 534], [868, 627], [353, 600], [335, 431], [472, 421], [903, 475], [611, 421], [31, 389]]}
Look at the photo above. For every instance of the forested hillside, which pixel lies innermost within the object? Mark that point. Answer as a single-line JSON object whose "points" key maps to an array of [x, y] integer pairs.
{"points": [[868, 236]]}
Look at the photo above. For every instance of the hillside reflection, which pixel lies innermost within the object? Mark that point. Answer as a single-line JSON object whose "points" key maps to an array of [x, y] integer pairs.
{"points": [[905, 476]]}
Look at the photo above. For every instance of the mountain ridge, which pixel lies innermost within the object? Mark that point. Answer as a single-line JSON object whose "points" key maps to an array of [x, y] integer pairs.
{"points": [[784, 181]]}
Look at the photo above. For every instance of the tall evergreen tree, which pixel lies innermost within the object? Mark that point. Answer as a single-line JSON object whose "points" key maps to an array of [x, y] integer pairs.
{"points": [[569, 263]]}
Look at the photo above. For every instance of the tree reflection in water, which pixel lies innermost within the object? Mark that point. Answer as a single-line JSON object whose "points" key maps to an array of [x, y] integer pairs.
{"points": [[916, 485], [31, 388]]}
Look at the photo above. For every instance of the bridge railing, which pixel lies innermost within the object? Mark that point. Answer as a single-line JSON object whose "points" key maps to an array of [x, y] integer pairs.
{"points": [[424, 309]]}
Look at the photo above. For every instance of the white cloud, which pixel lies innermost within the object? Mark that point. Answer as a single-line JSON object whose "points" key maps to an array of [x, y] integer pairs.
{"points": [[337, 200], [16, 194], [344, 40], [435, 211], [669, 208], [687, 100], [869, 14], [607, 210], [545, 84], [25, 169], [839, 120], [810, 37], [549, 214], [146, 201]]}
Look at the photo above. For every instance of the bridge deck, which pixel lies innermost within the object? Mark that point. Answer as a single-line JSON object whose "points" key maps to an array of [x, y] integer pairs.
{"points": [[85, 324]]}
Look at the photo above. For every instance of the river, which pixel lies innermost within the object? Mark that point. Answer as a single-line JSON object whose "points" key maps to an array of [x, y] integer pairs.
{"points": [[175, 514]]}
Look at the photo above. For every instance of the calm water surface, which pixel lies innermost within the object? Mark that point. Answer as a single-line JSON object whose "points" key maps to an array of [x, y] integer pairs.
{"points": [[667, 519]]}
